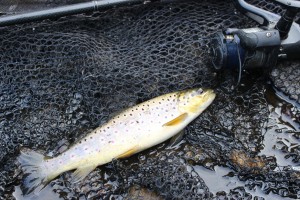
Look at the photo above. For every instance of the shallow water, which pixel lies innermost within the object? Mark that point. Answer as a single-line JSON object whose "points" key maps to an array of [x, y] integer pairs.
{"points": [[219, 184]]}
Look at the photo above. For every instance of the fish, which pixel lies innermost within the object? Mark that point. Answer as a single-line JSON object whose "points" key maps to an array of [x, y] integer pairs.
{"points": [[131, 131]]}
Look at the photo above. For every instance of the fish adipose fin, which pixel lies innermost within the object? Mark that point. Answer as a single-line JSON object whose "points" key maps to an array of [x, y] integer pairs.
{"points": [[129, 152], [81, 172], [35, 172], [177, 120]]}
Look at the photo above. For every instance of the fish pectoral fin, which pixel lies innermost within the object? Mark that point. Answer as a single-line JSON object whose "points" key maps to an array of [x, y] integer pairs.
{"points": [[177, 120], [128, 153], [81, 172]]}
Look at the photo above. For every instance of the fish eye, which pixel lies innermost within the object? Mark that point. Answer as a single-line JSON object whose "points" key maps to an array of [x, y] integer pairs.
{"points": [[199, 91]]}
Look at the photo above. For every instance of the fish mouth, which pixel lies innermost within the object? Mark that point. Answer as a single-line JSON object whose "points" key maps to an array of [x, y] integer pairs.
{"points": [[208, 96]]}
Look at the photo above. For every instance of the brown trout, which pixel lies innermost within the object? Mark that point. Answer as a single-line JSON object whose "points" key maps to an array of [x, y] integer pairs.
{"points": [[135, 129]]}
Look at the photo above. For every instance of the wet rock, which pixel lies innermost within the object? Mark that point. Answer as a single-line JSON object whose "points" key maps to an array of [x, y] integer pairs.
{"points": [[140, 193]]}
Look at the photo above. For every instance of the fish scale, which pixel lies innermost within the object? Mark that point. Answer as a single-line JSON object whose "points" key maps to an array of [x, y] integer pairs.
{"points": [[133, 130]]}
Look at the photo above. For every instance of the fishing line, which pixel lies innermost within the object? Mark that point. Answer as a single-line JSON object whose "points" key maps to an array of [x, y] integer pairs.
{"points": [[240, 64]]}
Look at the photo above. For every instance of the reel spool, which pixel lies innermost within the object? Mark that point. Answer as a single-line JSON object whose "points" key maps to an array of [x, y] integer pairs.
{"points": [[259, 47]]}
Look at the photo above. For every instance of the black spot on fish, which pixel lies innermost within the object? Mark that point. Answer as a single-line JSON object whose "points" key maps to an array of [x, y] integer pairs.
{"points": [[130, 114], [107, 127], [137, 122], [84, 139], [79, 142], [91, 137]]}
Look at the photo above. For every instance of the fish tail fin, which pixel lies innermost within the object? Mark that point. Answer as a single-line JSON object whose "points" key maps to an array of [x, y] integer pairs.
{"points": [[35, 171]]}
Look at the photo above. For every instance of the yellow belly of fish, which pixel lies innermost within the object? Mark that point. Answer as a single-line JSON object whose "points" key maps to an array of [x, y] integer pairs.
{"points": [[135, 142]]}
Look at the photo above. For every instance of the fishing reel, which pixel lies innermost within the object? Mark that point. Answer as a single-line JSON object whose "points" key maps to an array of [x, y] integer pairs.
{"points": [[276, 38]]}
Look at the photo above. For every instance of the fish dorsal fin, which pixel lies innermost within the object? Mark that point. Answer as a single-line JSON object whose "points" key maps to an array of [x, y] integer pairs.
{"points": [[176, 120], [82, 172], [116, 113], [129, 152], [119, 111]]}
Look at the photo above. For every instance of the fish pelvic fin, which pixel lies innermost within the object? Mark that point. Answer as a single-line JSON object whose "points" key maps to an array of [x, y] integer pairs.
{"points": [[176, 139], [129, 152], [35, 172], [81, 172], [177, 120]]}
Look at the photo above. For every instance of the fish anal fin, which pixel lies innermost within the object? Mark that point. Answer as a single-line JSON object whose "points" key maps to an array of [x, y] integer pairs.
{"points": [[81, 172], [176, 120], [128, 153]]}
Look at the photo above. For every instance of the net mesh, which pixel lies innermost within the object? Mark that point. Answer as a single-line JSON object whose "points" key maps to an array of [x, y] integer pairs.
{"points": [[62, 78], [269, 5]]}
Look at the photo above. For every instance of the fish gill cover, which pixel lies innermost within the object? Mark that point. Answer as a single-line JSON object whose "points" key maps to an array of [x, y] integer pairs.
{"points": [[62, 78]]}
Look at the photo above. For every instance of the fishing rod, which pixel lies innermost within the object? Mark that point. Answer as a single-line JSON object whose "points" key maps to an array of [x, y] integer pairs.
{"points": [[66, 10], [277, 37]]}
